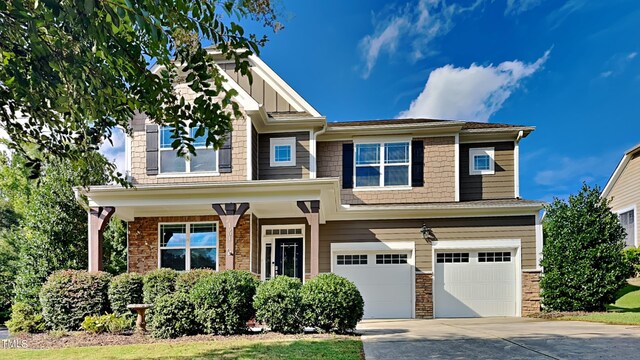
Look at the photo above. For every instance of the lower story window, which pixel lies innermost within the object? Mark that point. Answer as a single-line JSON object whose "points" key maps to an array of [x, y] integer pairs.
{"points": [[188, 246], [627, 219]]}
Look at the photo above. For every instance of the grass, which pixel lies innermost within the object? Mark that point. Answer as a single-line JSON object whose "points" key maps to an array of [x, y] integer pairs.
{"points": [[625, 311], [340, 349]]}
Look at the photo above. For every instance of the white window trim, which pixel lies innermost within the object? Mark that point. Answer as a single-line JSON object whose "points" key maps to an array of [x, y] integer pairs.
{"points": [[187, 160], [635, 221], [473, 152], [289, 141], [382, 165], [271, 239], [187, 266]]}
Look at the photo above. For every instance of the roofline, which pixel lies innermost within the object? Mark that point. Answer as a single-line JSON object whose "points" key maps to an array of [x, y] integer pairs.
{"points": [[619, 169]]}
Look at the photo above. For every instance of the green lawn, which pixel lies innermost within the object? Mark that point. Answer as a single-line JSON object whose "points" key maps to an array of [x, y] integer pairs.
{"points": [[341, 349], [626, 309]]}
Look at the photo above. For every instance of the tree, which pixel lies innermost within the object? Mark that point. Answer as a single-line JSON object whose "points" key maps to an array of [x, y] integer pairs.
{"points": [[72, 70], [582, 255]]}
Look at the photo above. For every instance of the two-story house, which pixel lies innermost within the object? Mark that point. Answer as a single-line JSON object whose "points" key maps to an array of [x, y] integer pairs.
{"points": [[424, 216]]}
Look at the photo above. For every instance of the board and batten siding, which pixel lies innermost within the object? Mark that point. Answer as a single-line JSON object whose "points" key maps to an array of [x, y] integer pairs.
{"points": [[625, 193], [260, 90], [485, 228], [500, 185], [254, 153], [299, 171]]}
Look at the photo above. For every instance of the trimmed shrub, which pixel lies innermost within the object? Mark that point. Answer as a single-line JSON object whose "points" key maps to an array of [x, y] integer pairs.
{"points": [[224, 301], [24, 319], [110, 323], [173, 317], [125, 289], [332, 303], [158, 283], [68, 296], [279, 304], [632, 255], [186, 280]]}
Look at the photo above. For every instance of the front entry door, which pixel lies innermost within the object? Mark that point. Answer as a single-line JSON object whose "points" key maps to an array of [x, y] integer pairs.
{"points": [[289, 257]]}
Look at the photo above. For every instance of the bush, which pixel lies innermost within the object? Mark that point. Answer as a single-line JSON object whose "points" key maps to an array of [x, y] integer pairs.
{"points": [[332, 303], [582, 255], [173, 317], [186, 280], [632, 255], [278, 303], [69, 296], [110, 323], [24, 319], [158, 283], [224, 301], [125, 289]]}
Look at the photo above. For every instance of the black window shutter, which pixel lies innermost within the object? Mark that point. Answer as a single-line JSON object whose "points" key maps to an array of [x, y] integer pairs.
{"points": [[225, 156], [347, 166], [417, 163], [152, 149]]}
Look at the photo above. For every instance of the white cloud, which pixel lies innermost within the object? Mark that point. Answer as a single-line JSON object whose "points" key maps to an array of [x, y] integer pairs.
{"points": [[417, 25], [115, 153], [517, 7], [565, 173], [473, 93], [617, 64], [632, 55], [558, 16]]}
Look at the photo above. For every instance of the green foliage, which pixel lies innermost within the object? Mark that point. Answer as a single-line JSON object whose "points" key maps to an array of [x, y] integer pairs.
{"points": [[125, 289], [173, 317], [278, 303], [582, 255], [632, 256], [332, 303], [224, 301], [80, 68], [110, 323], [187, 279], [69, 296], [115, 247], [158, 283], [25, 319], [8, 268]]}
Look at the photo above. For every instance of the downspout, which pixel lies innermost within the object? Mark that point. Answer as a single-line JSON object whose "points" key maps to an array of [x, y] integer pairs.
{"points": [[314, 151], [516, 172]]}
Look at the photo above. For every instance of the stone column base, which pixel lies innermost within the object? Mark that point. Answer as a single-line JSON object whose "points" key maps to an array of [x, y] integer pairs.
{"points": [[424, 296], [530, 293]]}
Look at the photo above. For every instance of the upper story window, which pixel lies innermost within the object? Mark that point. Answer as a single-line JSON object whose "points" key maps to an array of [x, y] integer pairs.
{"points": [[283, 151], [382, 164], [188, 246], [627, 219], [481, 161], [205, 160]]}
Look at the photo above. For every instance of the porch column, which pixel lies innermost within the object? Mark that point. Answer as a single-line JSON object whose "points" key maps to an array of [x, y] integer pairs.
{"points": [[98, 219], [313, 218], [229, 217]]}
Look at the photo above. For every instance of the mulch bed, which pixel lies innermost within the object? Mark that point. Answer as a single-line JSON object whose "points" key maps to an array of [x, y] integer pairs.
{"points": [[80, 339]]}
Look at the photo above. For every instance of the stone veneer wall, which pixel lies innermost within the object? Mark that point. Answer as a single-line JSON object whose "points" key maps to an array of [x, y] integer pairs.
{"points": [[530, 293], [439, 174], [143, 241], [139, 145], [424, 296]]}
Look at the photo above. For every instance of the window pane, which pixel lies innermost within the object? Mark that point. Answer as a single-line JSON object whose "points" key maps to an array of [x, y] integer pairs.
{"points": [[205, 160], [200, 140], [267, 262], [172, 259], [396, 175], [203, 258], [203, 235], [165, 137], [170, 162], [282, 153], [173, 236], [481, 162], [368, 176], [395, 153], [367, 154]]}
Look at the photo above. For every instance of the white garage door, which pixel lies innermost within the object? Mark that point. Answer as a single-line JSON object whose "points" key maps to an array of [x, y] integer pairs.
{"points": [[475, 283], [384, 279]]}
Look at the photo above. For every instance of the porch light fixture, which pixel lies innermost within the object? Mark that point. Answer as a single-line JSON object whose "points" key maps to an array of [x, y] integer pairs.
{"points": [[427, 233]]}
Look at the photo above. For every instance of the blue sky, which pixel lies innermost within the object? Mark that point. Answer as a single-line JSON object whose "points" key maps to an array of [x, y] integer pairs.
{"points": [[569, 67]]}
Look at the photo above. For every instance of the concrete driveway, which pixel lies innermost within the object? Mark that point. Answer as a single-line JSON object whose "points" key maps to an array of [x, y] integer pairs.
{"points": [[497, 338]]}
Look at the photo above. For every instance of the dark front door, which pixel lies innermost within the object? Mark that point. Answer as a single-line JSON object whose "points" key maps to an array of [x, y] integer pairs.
{"points": [[289, 257]]}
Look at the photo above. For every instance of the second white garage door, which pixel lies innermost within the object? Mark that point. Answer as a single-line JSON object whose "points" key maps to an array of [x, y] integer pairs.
{"points": [[471, 283], [384, 279]]}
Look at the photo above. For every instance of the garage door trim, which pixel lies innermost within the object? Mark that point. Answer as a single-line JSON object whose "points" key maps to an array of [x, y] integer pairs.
{"points": [[496, 244], [353, 247]]}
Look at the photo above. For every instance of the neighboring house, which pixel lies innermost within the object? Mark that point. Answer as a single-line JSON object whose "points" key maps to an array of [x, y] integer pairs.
{"points": [[623, 189], [423, 215]]}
